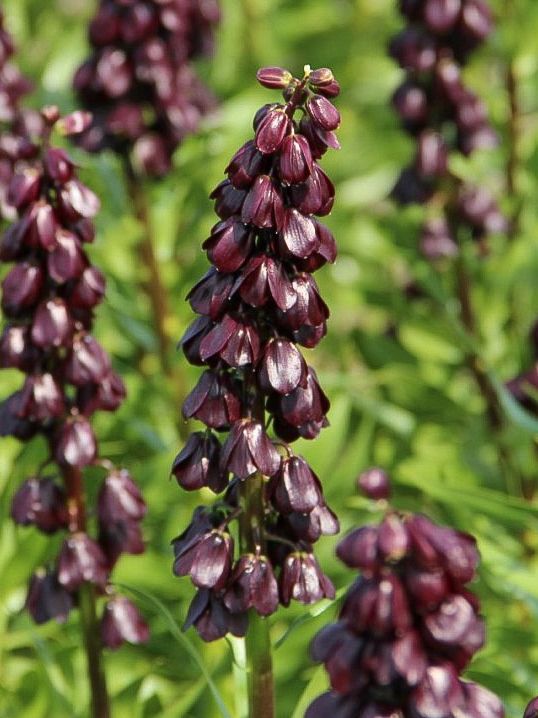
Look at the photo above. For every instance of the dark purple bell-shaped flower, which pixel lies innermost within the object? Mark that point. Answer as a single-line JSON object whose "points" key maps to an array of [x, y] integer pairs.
{"points": [[122, 622], [252, 584], [41, 503], [374, 483], [208, 614], [47, 598], [302, 580], [248, 450], [120, 499], [198, 464], [81, 560], [75, 443], [207, 559]]}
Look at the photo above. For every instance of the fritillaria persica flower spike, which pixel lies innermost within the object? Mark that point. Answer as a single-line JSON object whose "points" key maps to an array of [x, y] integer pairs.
{"points": [[139, 81], [257, 304], [408, 627], [444, 117], [48, 300]]}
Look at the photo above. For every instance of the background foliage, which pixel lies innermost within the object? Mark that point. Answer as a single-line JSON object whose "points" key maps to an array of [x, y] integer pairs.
{"points": [[392, 364]]}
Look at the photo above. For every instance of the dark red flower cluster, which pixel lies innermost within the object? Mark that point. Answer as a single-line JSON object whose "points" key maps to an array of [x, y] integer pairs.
{"points": [[408, 627], [257, 303], [139, 82], [444, 116], [48, 299], [14, 141]]}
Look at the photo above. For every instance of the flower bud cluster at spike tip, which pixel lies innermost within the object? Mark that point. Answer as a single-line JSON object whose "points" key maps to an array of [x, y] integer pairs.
{"points": [[16, 125], [408, 627], [444, 116], [257, 304], [48, 300], [140, 83]]}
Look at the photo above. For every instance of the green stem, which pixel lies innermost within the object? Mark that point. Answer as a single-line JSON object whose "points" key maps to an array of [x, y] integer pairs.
{"points": [[86, 595], [259, 658], [92, 643]]}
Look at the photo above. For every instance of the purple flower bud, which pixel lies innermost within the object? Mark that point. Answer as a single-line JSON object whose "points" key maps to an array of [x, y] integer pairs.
{"points": [[295, 487], [81, 560], [298, 237], [228, 199], [271, 131], [237, 343], [428, 588], [323, 113], [263, 206], [41, 503], [118, 537], [229, 246], [66, 261], [207, 559], [47, 598], [379, 605], [108, 395], [11, 423], [21, 288], [305, 405], [441, 15], [295, 159], [321, 77], [411, 103], [476, 20], [413, 49], [248, 450], [214, 400], [432, 155], [211, 295], [316, 195], [52, 326], [309, 308], [89, 290], [321, 521], [76, 200], [120, 499], [75, 443], [440, 692], [41, 398], [16, 349], [264, 278], [151, 155], [24, 188], [122, 622], [359, 549], [208, 614], [87, 362], [252, 585], [42, 225], [302, 580], [197, 465], [58, 165], [374, 483], [247, 163], [282, 368], [274, 77]]}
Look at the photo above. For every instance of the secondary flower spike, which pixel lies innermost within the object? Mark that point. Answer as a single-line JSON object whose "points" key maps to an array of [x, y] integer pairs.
{"points": [[408, 627], [140, 83], [444, 117], [48, 299], [257, 304]]}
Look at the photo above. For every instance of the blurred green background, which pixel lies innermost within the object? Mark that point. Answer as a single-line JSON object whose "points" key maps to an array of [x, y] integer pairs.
{"points": [[392, 363]]}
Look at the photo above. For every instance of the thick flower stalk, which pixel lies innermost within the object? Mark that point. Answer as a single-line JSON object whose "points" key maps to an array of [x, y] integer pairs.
{"points": [[139, 82], [14, 122], [444, 117], [409, 624], [257, 304], [48, 299]]}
